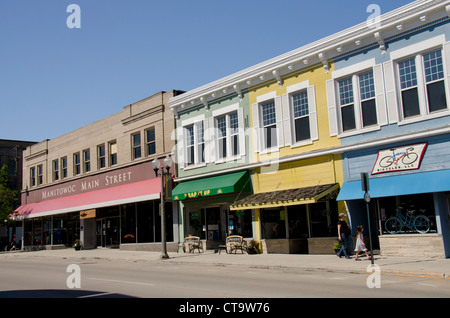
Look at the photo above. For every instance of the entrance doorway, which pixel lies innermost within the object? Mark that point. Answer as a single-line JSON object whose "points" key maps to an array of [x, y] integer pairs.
{"points": [[108, 232]]}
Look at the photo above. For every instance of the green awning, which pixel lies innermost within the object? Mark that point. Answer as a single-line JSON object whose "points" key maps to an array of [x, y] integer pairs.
{"points": [[228, 183]]}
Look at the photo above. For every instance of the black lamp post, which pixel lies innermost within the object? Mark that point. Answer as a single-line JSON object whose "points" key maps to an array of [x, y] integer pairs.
{"points": [[156, 166]]}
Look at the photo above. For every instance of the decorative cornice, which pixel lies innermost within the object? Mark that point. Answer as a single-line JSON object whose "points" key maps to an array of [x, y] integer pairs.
{"points": [[323, 51]]}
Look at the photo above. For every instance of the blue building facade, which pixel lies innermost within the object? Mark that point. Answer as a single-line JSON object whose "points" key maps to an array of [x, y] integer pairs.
{"points": [[391, 105]]}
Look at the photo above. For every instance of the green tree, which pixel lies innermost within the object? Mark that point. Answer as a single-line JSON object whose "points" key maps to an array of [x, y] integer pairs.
{"points": [[8, 196]]}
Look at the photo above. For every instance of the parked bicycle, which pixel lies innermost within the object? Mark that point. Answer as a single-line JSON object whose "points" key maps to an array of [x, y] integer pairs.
{"points": [[419, 223]]}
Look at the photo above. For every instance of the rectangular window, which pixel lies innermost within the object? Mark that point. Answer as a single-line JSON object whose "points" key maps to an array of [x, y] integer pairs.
{"points": [[195, 143], [136, 140], [87, 160], [150, 141], [347, 104], [112, 153], [101, 155], [408, 88], [269, 124], [190, 160], [55, 168], [40, 176], [64, 167], [222, 136], [228, 135], [301, 116], [434, 78], [76, 163], [367, 95], [33, 176]]}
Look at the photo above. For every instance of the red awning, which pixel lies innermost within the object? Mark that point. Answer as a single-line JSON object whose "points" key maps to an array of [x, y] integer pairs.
{"points": [[128, 193]]}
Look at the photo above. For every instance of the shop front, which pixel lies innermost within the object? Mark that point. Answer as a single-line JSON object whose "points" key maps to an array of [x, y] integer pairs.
{"points": [[302, 220], [409, 197], [115, 209], [205, 205]]}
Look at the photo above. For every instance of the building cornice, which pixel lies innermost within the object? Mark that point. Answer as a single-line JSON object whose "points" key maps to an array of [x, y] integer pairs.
{"points": [[371, 32]]}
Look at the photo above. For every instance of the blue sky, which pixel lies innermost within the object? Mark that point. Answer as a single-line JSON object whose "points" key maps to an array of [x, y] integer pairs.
{"points": [[54, 79]]}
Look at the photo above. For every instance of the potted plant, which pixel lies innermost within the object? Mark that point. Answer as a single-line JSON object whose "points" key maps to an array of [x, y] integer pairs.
{"points": [[337, 246], [252, 248], [77, 245]]}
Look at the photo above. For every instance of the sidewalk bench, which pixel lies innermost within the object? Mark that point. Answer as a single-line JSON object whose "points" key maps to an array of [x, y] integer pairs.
{"points": [[235, 243], [192, 243]]}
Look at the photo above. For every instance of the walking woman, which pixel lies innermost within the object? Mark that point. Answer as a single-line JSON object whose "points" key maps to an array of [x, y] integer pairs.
{"points": [[344, 236]]}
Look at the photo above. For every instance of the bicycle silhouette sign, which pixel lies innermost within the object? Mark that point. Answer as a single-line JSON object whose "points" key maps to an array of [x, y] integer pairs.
{"points": [[400, 158]]}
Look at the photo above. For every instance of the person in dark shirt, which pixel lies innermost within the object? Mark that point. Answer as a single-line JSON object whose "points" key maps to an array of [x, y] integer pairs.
{"points": [[345, 236]]}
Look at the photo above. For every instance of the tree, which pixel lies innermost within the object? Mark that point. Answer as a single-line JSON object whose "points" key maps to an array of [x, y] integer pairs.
{"points": [[8, 196]]}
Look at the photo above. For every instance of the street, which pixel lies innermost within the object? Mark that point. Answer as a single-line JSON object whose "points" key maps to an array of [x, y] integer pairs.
{"points": [[42, 277]]}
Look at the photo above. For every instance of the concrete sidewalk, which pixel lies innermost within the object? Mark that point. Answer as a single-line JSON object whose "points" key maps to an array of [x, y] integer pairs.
{"points": [[405, 266]]}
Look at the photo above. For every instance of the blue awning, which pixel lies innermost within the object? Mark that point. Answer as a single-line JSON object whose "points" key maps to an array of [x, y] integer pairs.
{"points": [[413, 183]]}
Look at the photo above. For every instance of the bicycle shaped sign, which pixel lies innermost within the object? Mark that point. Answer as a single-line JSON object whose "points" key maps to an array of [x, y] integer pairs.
{"points": [[400, 158]]}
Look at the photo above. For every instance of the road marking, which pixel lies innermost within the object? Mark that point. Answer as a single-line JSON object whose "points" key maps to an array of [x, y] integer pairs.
{"points": [[121, 281], [95, 295]]}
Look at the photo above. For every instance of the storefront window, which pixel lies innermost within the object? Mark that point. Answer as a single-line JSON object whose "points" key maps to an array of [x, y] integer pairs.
{"points": [[408, 214], [195, 223], [46, 231], [59, 230], [145, 217], [273, 223], [298, 222], [129, 223], [240, 223]]}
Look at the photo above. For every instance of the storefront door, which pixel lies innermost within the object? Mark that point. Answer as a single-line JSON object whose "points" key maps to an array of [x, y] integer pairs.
{"points": [[108, 232]]}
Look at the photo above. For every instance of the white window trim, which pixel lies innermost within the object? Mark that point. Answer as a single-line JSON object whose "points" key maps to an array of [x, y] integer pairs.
{"points": [[185, 123], [259, 141], [417, 50], [288, 111], [334, 106]]}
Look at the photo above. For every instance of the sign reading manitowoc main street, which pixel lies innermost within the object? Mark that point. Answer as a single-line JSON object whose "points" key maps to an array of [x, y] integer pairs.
{"points": [[400, 158]]}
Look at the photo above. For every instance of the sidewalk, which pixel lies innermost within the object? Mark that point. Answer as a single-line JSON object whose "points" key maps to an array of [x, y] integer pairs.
{"points": [[404, 266]]}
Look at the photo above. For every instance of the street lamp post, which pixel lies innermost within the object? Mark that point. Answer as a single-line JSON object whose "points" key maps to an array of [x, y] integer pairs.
{"points": [[156, 166]]}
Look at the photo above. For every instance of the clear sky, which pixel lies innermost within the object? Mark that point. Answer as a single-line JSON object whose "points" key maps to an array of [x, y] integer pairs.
{"points": [[55, 79]]}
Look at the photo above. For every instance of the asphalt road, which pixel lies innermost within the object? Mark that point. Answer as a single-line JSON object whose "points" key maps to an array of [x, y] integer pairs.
{"points": [[106, 279]]}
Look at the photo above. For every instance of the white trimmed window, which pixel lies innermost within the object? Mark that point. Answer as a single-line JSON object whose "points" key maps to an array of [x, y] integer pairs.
{"points": [[195, 144], [267, 123], [356, 99], [417, 83], [299, 115]]}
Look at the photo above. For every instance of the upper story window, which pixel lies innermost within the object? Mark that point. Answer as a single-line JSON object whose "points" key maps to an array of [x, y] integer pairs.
{"points": [[227, 135], [195, 144], [33, 176], [55, 168], [101, 155], [150, 141], [112, 153], [76, 163], [136, 145], [422, 78], [64, 167], [301, 116], [87, 160], [267, 123], [40, 174], [356, 99]]}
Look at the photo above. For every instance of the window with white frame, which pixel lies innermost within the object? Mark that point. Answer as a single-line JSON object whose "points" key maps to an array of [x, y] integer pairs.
{"points": [[269, 124], [227, 135], [357, 101], [195, 144], [267, 116], [422, 85], [301, 125], [55, 168]]}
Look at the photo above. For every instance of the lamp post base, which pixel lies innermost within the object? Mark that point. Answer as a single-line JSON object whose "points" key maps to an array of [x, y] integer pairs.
{"points": [[164, 256]]}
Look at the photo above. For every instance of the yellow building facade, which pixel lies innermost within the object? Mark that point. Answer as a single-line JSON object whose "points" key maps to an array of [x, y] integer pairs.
{"points": [[294, 204]]}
